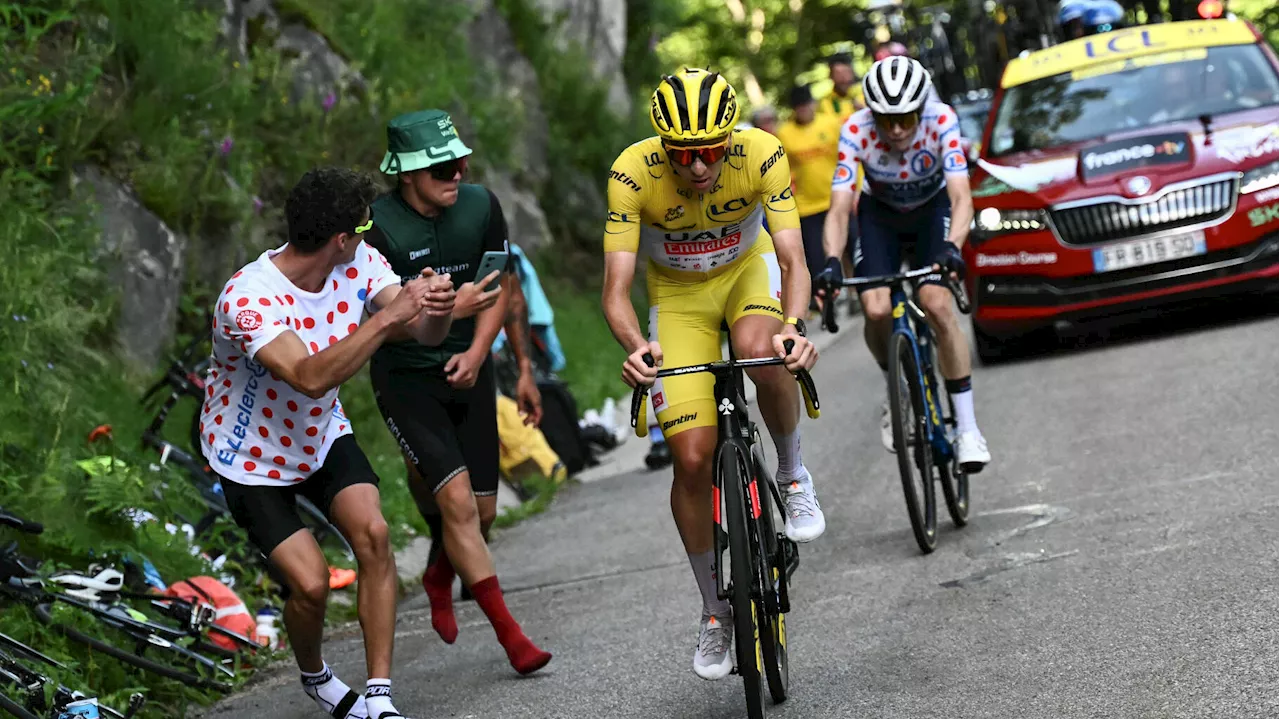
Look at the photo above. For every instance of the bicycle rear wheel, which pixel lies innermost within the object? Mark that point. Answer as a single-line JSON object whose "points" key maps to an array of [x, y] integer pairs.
{"points": [[743, 563], [773, 571], [911, 440]]}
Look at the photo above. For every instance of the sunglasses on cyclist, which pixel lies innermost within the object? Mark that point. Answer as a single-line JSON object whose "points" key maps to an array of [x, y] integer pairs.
{"points": [[684, 156], [360, 230], [906, 121], [446, 171]]}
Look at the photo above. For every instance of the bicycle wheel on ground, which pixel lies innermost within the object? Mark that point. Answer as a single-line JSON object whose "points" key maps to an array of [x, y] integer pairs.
{"points": [[743, 564], [910, 439], [773, 570], [955, 491]]}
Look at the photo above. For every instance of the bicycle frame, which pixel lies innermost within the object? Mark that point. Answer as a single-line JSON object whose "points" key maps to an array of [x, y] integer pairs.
{"points": [[910, 320]]}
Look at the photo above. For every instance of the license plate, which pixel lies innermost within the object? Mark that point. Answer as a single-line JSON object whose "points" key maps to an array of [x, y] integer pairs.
{"points": [[1145, 252]]}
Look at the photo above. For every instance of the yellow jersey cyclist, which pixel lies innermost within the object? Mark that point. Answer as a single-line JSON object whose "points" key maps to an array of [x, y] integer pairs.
{"points": [[695, 198]]}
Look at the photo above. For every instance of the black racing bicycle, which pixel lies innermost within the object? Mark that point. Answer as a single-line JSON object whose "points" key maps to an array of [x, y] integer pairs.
{"points": [[24, 689], [922, 433], [173, 638], [185, 378], [761, 558]]}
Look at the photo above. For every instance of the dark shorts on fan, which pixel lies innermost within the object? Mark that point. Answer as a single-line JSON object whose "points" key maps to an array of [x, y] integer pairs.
{"points": [[270, 514], [885, 235], [443, 431]]}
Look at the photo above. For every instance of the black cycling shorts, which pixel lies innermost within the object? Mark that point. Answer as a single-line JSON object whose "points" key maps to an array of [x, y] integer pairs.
{"points": [[885, 234], [443, 431], [270, 514]]}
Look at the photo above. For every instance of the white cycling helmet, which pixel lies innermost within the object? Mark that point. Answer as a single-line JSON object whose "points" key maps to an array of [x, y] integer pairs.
{"points": [[896, 86]]}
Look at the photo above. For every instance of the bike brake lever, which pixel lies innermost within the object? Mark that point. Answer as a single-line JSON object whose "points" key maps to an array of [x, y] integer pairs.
{"points": [[829, 310], [957, 289]]}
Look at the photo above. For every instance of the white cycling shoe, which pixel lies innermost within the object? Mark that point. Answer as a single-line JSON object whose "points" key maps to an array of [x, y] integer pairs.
{"points": [[805, 520], [712, 660], [971, 452]]}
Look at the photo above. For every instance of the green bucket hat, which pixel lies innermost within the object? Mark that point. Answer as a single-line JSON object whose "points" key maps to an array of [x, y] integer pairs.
{"points": [[421, 139]]}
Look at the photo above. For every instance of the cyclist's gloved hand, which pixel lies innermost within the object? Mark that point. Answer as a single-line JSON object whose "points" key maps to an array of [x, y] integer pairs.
{"points": [[950, 259], [832, 274]]}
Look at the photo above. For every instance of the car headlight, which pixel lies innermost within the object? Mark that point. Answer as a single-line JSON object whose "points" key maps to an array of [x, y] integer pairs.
{"points": [[992, 222], [1260, 178]]}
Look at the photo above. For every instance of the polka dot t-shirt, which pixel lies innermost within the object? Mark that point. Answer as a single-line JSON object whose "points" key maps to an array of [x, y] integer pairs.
{"points": [[256, 429]]}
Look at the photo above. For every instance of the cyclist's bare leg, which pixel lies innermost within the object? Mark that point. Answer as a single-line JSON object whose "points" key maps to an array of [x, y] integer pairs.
{"points": [[302, 563], [953, 346], [692, 453], [876, 309], [357, 510], [779, 398], [776, 390]]}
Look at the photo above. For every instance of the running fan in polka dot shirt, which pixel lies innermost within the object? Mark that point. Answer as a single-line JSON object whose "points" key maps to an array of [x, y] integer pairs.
{"points": [[257, 429]]}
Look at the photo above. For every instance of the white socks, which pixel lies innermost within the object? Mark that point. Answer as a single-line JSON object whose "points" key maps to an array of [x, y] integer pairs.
{"points": [[330, 694], [790, 466], [706, 578], [377, 697], [965, 421]]}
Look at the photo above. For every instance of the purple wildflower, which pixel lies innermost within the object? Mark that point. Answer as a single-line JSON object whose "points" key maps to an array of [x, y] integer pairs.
{"points": [[258, 204], [329, 101], [224, 148]]}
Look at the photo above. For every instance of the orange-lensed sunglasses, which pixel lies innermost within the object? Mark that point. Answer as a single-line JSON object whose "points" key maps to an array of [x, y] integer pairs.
{"points": [[684, 156]]}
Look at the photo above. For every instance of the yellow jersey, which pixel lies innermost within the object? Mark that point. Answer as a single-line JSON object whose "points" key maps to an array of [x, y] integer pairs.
{"points": [[692, 236], [841, 106], [812, 150]]}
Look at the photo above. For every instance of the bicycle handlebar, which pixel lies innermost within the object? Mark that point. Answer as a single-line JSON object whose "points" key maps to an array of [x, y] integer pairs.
{"points": [[807, 388], [22, 525], [829, 307]]}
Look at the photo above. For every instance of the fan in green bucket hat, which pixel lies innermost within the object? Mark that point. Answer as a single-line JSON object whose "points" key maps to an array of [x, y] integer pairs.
{"points": [[421, 139]]}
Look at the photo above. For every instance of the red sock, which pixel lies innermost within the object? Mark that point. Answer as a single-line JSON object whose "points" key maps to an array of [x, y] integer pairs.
{"points": [[438, 581], [524, 656]]}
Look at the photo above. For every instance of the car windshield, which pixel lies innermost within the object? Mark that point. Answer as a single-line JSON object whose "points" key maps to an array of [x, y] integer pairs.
{"points": [[972, 119], [1132, 94]]}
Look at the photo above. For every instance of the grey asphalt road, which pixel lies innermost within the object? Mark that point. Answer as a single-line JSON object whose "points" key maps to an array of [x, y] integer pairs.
{"points": [[1121, 561]]}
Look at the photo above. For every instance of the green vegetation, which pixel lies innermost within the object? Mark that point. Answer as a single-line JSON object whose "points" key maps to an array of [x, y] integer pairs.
{"points": [[210, 142]]}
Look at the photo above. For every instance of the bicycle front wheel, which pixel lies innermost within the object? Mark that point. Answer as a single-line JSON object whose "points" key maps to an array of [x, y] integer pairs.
{"points": [[774, 576], [911, 440], [743, 560]]}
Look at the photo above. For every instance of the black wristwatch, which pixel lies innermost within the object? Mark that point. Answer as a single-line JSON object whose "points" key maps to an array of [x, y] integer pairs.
{"points": [[799, 323]]}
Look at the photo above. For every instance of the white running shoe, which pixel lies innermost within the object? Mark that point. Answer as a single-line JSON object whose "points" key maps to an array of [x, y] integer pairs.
{"points": [[886, 427], [971, 452], [805, 521], [711, 660]]}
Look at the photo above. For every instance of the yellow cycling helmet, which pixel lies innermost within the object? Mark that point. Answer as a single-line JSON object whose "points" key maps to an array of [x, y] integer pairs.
{"points": [[694, 106]]}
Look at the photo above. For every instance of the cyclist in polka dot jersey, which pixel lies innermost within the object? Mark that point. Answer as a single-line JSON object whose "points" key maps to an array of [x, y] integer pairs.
{"points": [[289, 328], [917, 203]]}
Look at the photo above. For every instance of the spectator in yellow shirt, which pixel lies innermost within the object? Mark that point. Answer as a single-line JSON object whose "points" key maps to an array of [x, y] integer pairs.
{"points": [[846, 95], [810, 140]]}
